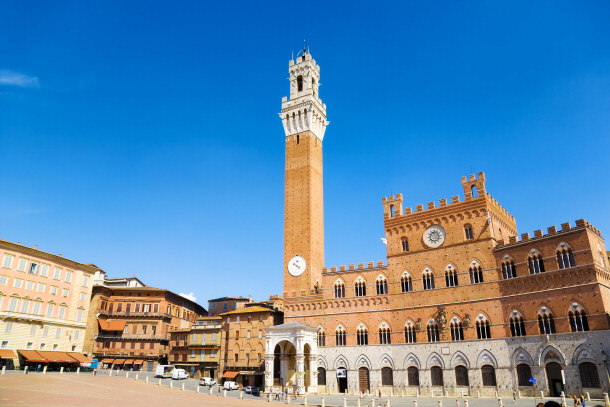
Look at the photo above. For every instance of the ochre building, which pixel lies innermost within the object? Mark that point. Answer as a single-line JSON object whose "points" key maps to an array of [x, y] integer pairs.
{"points": [[197, 349], [463, 304]]}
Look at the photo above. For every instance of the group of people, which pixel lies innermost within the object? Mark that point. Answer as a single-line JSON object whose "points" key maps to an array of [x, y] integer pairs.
{"points": [[283, 395]]}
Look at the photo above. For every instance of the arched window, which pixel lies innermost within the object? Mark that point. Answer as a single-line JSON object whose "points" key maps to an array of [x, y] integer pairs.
{"points": [[474, 192], [362, 335], [450, 276], [406, 283], [468, 232], [483, 330], [300, 83], [489, 375], [578, 319], [339, 289], [436, 374], [461, 376], [405, 244], [321, 337], [476, 273], [387, 378], [410, 335], [535, 262], [517, 324], [382, 285], [360, 287], [413, 376], [384, 334], [428, 279], [589, 377], [340, 336], [391, 211], [508, 268], [524, 372], [432, 330], [457, 331], [565, 258], [546, 324], [321, 376]]}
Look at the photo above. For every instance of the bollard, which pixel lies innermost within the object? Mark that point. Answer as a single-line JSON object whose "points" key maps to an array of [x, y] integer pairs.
{"points": [[210, 390], [500, 403], [25, 371], [269, 397], [465, 403], [224, 393], [78, 370], [392, 392], [414, 403], [241, 395], [541, 394], [197, 388], [305, 400], [373, 403], [344, 402], [518, 394], [4, 370], [446, 393], [440, 403], [126, 375], [497, 394], [288, 398], [588, 397], [322, 404], [388, 403], [563, 400], [462, 393], [171, 384], [402, 392], [417, 394], [478, 394], [110, 372], [61, 370], [159, 382], [357, 402], [182, 386], [137, 376], [606, 400]]}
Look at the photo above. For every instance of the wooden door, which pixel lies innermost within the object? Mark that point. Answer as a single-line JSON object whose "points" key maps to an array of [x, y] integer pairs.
{"points": [[363, 379]]}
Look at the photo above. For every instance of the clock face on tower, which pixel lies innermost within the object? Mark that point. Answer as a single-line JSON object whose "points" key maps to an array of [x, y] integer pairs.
{"points": [[434, 236], [296, 266]]}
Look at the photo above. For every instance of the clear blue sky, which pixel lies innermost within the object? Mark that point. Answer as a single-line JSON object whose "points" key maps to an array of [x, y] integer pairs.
{"points": [[144, 137]]}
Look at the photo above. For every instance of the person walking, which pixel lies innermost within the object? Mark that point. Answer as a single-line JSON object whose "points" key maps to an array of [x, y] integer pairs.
{"points": [[575, 399], [582, 400]]}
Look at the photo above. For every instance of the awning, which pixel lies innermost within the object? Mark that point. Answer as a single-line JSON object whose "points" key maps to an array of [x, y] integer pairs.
{"points": [[106, 325], [119, 361], [107, 360], [32, 356], [230, 375], [138, 362], [185, 364], [57, 357], [129, 362], [79, 357], [5, 353]]}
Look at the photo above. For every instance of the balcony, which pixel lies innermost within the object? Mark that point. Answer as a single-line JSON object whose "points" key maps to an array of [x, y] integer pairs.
{"points": [[151, 337], [150, 314]]}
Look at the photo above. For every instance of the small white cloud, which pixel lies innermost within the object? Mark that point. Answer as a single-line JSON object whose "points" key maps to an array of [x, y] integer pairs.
{"points": [[11, 78], [189, 296]]}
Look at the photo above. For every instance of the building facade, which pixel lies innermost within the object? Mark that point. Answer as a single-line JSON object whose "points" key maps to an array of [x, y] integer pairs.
{"points": [[243, 340], [129, 327], [44, 303], [197, 349], [225, 304], [461, 305]]}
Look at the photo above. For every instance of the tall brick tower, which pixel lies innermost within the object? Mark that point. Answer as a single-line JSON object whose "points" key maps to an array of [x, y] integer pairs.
{"points": [[304, 118]]}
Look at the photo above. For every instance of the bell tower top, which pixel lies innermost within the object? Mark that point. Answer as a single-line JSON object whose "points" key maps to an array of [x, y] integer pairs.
{"points": [[304, 110]]}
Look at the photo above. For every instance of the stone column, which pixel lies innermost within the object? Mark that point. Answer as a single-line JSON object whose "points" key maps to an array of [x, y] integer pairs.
{"points": [[313, 374], [300, 373], [268, 373], [284, 360]]}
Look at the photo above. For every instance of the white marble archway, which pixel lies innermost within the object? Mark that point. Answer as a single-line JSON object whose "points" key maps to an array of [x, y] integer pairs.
{"points": [[304, 340]]}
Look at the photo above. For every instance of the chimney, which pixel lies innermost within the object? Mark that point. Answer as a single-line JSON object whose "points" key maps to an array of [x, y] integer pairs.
{"points": [[36, 246]]}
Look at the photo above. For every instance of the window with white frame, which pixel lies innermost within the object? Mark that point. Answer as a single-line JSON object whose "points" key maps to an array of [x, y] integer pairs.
{"points": [[29, 345], [213, 336], [36, 308], [8, 327], [68, 276], [33, 268], [3, 280], [25, 306], [57, 333], [546, 323], [65, 292], [76, 334], [32, 330], [202, 354], [8, 261], [203, 338], [193, 353], [79, 315], [62, 312], [213, 353], [29, 285], [42, 345], [50, 310], [83, 296], [1, 301], [57, 274], [53, 290], [41, 287], [22, 264], [44, 270], [55, 346], [17, 283], [194, 337], [12, 305], [146, 308], [428, 279], [237, 318], [45, 331], [85, 281], [260, 333]]}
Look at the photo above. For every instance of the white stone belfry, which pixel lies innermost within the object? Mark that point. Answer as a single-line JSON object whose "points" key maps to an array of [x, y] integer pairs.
{"points": [[304, 110], [298, 357]]}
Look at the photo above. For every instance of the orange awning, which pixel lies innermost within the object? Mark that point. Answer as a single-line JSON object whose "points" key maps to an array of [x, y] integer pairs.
{"points": [[230, 375], [106, 325], [5, 353], [57, 357], [129, 362], [138, 362], [107, 360], [32, 355], [79, 357], [119, 361]]}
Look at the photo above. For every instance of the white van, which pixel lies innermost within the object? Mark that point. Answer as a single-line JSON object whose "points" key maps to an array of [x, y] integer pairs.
{"points": [[164, 371], [179, 374], [207, 381], [230, 386]]}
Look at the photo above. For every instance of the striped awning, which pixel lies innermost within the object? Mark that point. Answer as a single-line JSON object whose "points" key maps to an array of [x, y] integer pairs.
{"points": [[129, 362], [32, 356]]}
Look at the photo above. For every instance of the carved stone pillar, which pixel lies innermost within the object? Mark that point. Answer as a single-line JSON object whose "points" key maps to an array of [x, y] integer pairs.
{"points": [[313, 374], [284, 370], [269, 373], [300, 365]]}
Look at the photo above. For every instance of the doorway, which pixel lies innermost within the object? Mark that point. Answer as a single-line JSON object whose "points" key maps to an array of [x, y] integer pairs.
{"points": [[554, 378], [363, 379], [342, 379]]}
